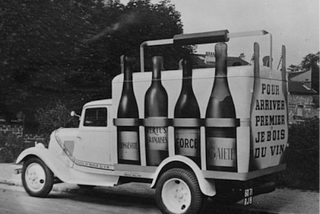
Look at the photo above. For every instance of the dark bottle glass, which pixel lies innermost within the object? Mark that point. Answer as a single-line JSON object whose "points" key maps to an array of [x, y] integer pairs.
{"points": [[156, 107], [187, 139], [221, 141], [128, 136]]}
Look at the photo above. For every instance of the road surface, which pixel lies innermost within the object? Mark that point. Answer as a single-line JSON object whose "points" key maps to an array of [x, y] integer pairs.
{"points": [[14, 200], [139, 198], [134, 198]]}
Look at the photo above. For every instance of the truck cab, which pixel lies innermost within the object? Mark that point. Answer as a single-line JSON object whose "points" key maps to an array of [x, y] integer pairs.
{"points": [[93, 140]]}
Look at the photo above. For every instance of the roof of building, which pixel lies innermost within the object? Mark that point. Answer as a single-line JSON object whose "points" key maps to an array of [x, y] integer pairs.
{"points": [[200, 62], [296, 87], [294, 74]]}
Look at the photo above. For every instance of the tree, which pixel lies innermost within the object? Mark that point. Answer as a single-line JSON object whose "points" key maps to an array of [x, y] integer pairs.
{"points": [[39, 41], [310, 61], [70, 49], [55, 115]]}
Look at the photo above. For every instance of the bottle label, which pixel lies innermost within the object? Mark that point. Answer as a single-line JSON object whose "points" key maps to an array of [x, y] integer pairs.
{"points": [[187, 142], [128, 145], [157, 138], [221, 152]]}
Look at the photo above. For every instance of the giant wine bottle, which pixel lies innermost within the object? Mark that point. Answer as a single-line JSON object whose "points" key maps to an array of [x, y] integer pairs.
{"points": [[187, 139], [156, 111], [221, 141], [128, 136]]}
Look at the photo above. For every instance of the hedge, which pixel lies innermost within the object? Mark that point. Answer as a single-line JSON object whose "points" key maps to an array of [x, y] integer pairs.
{"points": [[302, 157]]}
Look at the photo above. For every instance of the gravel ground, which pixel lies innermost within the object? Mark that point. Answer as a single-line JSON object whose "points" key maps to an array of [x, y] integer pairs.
{"points": [[7, 175]]}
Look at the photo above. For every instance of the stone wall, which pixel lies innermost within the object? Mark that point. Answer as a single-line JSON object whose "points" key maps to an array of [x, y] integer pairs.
{"points": [[16, 128], [29, 140], [11, 128], [301, 107]]}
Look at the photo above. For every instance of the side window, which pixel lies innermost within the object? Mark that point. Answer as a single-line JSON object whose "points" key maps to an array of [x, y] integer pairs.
{"points": [[95, 117]]}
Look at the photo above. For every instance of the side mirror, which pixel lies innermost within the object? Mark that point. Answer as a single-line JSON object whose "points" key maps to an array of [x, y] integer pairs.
{"points": [[73, 114]]}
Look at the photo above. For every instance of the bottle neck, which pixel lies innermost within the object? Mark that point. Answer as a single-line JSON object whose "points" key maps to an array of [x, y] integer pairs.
{"points": [[221, 68], [156, 72], [221, 60], [221, 75], [127, 71], [127, 79], [127, 76], [156, 75], [187, 84], [221, 80], [187, 74]]}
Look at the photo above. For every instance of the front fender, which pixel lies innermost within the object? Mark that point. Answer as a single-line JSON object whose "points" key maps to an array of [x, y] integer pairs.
{"points": [[38, 151], [46, 156], [207, 186]]}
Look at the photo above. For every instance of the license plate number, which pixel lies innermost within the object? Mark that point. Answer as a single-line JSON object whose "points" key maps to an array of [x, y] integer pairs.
{"points": [[248, 196]]}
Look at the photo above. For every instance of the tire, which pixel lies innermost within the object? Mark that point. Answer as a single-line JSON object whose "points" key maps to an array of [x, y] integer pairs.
{"points": [[178, 191], [37, 178]]}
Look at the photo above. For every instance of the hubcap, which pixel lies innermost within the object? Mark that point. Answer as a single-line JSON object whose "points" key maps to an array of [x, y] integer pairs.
{"points": [[176, 195], [35, 177]]}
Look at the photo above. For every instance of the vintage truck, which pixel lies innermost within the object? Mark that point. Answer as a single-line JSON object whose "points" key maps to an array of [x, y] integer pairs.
{"points": [[109, 149]]}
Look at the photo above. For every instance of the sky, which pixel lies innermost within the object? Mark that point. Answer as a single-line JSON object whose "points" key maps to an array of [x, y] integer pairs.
{"points": [[293, 23]]}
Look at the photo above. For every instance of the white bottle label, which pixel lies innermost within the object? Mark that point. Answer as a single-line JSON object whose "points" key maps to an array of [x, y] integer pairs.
{"points": [[157, 138], [187, 141], [128, 145], [221, 151]]}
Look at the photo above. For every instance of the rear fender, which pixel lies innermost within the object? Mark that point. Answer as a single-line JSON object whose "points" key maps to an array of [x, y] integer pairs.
{"points": [[207, 186]]}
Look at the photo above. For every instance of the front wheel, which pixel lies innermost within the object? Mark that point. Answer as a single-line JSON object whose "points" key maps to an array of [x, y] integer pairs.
{"points": [[178, 191], [37, 178]]}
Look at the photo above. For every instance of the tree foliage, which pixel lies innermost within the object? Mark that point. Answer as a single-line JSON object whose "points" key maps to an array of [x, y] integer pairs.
{"points": [[70, 49], [53, 116], [310, 61]]}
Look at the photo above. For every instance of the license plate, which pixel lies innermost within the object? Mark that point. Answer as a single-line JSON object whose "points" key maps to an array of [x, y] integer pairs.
{"points": [[248, 196]]}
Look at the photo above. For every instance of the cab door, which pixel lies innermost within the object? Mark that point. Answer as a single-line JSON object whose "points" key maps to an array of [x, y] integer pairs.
{"points": [[93, 139]]}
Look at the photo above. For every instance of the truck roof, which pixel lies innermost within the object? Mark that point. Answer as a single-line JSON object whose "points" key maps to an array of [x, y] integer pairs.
{"points": [[103, 102]]}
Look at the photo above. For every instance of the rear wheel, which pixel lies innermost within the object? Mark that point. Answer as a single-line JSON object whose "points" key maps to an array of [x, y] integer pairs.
{"points": [[178, 191], [37, 178]]}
